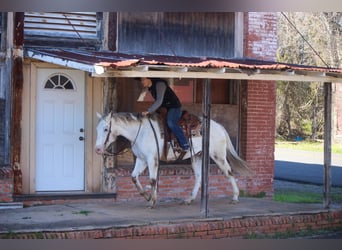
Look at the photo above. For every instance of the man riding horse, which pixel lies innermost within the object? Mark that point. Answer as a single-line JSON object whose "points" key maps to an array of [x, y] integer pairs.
{"points": [[165, 97]]}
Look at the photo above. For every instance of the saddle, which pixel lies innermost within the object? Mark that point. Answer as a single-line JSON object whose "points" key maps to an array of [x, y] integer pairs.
{"points": [[189, 123]]}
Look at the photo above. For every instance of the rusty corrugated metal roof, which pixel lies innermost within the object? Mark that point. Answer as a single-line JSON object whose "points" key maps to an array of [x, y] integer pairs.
{"points": [[86, 60]]}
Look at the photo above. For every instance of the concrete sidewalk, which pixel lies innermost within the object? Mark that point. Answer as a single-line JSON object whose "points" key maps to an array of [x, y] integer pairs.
{"points": [[107, 214]]}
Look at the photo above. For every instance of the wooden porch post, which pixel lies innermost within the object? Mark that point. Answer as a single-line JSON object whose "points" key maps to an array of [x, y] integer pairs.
{"points": [[16, 96], [327, 144], [206, 103]]}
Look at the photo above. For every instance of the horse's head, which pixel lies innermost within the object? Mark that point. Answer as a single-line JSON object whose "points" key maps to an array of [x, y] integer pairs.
{"points": [[105, 135]]}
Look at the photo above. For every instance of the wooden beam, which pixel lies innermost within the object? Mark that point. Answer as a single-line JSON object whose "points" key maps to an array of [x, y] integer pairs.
{"points": [[205, 148], [208, 74], [327, 144]]}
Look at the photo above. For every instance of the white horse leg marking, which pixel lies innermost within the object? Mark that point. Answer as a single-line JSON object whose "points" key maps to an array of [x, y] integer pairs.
{"points": [[223, 164], [139, 167], [197, 168], [153, 173]]}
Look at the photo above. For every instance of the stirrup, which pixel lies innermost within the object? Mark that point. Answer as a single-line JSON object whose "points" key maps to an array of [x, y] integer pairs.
{"points": [[182, 154]]}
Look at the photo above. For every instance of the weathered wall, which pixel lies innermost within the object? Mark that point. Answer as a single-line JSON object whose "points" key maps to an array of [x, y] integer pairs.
{"points": [[177, 33], [2, 130]]}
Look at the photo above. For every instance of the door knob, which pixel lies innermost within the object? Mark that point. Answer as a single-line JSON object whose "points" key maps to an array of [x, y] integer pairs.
{"points": [[81, 130], [81, 138]]}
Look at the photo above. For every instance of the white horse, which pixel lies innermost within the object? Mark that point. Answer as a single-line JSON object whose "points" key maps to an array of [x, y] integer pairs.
{"points": [[145, 135]]}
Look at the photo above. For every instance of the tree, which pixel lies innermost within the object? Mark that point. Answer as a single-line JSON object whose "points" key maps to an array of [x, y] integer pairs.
{"points": [[311, 39]]}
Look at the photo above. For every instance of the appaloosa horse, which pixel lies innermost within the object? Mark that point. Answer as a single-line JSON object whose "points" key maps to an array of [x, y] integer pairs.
{"points": [[145, 135]]}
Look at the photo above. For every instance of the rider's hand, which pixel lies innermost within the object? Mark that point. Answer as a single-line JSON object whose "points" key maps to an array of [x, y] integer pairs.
{"points": [[145, 113]]}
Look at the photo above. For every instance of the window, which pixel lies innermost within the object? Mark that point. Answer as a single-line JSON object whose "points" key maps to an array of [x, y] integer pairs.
{"points": [[59, 81], [67, 29]]}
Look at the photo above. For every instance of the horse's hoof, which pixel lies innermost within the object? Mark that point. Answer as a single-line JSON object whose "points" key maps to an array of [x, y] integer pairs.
{"points": [[186, 202], [147, 196], [234, 202], [152, 205]]}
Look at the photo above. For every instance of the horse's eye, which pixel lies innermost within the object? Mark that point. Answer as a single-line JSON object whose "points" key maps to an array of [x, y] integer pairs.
{"points": [[106, 130]]}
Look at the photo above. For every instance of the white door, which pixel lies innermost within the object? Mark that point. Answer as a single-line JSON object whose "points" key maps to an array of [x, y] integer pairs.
{"points": [[60, 130]]}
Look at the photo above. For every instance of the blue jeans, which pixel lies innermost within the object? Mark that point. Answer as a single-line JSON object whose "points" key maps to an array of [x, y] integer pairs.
{"points": [[173, 116]]}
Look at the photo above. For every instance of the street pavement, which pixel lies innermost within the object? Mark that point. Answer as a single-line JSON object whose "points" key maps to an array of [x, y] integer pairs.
{"points": [[305, 167]]}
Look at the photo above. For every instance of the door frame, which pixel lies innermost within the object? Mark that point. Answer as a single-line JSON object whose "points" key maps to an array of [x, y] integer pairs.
{"points": [[61, 183], [93, 103]]}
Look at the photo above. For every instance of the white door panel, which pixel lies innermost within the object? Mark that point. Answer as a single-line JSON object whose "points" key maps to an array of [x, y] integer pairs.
{"points": [[60, 118]]}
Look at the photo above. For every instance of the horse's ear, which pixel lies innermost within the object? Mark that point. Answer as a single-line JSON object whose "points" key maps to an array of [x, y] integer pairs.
{"points": [[98, 115]]}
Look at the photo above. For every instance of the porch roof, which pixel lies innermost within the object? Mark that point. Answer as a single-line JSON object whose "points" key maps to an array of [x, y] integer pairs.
{"points": [[112, 64]]}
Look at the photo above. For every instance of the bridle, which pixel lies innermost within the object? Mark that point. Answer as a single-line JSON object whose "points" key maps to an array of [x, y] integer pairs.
{"points": [[122, 151]]}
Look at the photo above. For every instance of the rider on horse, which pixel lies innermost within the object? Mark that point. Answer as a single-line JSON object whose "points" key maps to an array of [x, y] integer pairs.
{"points": [[165, 97]]}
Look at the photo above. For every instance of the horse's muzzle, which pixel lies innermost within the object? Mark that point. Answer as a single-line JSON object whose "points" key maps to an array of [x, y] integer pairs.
{"points": [[99, 150]]}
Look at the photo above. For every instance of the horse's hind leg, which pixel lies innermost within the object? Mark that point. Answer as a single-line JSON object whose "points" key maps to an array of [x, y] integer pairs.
{"points": [[223, 164], [138, 169], [197, 168]]}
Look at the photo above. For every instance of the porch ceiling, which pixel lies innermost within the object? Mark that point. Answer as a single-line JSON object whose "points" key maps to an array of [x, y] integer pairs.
{"points": [[112, 64]]}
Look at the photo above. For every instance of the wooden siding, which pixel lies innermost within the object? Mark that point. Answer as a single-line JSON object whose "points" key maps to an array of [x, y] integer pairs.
{"points": [[80, 25], [186, 34], [2, 131]]}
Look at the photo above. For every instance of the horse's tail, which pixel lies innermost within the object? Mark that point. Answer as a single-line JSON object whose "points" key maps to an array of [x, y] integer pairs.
{"points": [[236, 162]]}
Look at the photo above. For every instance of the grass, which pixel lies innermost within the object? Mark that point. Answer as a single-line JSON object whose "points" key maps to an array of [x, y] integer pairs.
{"points": [[308, 233], [304, 197], [82, 212], [315, 146], [298, 197]]}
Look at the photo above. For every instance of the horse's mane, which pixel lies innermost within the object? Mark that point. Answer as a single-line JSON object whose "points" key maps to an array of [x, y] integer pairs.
{"points": [[128, 117]]}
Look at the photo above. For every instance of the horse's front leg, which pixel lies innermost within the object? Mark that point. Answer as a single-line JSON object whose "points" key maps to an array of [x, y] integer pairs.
{"points": [[197, 168], [153, 173], [139, 167]]}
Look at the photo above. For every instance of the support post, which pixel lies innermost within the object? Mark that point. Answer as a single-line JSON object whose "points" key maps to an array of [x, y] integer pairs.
{"points": [[206, 103], [16, 96], [327, 144]]}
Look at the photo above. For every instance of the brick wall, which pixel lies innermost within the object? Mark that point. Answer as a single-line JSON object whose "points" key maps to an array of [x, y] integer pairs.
{"points": [[247, 227], [6, 184], [175, 182], [258, 102], [260, 35], [257, 133]]}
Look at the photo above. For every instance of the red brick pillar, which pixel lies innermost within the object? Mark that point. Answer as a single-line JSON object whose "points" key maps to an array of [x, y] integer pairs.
{"points": [[258, 104], [6, 184]]}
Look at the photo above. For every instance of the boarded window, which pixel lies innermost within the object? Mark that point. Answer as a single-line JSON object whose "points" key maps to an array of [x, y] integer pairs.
{"points": [[177, 33], [53, 27]]}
